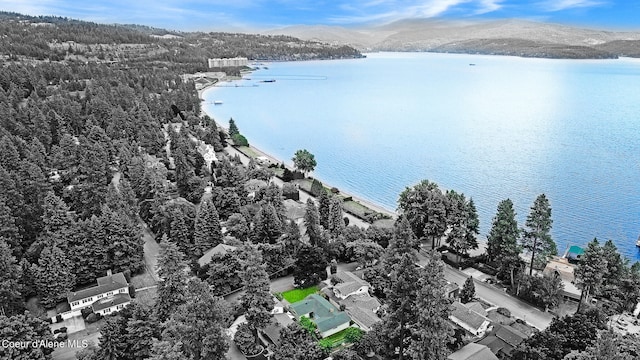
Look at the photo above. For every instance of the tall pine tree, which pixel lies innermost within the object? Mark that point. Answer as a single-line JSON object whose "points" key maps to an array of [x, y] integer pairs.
{"points": [[537, 233], [54, 276], [257, 297], [208, 232]]}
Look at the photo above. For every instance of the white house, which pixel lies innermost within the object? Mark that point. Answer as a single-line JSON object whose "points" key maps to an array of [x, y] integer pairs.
{"points": [[111, 289], [350, 285]]}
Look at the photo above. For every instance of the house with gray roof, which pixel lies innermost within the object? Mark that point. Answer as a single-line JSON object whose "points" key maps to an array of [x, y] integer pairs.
{"points": [[110, 295], [220, 249], [328, 319], [469, 319], [350, 284], [502, 340], [473, 351], [108, 287]]}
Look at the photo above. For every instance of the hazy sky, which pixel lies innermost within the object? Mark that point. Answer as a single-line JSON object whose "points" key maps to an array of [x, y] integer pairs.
{"points": [[207, 15]]}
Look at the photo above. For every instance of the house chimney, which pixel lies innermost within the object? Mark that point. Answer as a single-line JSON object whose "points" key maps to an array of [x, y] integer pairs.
{"points": [[109, 273]]}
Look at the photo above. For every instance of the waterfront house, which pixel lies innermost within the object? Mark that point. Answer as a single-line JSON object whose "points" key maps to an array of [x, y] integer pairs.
{"points": [[111, 294], [328, 319]]}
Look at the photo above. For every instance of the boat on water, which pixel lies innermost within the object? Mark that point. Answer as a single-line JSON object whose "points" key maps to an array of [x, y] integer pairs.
{"points": [[472, 64], [638, 242], [268, 81], [217, 102]]}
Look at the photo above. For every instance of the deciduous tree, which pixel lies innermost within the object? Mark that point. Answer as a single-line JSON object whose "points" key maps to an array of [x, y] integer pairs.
{"points": [[199, 324], [304, 161], [311, 266], [424, 206]]}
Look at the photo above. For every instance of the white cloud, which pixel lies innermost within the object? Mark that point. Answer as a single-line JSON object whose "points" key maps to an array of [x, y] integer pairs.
{"points": [[389, 10], [558, 5], [487, 6]]}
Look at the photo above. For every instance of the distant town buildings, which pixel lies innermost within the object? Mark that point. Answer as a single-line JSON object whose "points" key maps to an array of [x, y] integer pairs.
{"points": [[228, 62]]}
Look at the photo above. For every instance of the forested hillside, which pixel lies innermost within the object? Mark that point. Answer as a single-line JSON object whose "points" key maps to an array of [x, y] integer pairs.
{"points": [[48, 38], [85, 164]]}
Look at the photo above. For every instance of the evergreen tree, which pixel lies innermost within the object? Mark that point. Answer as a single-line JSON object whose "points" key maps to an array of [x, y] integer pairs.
{"points": [[272, 194], [616, 265], [324, 207], [208, 232], [468, 291], [112, 343], [24, 328], [171, 265], [200, 324], [141, 329], [312, 222], [90, 254], [53, 276], [123, 240], [268, 227], [10, 282], [233, 128], [591, 270], [257, 297], [9, 230], [537, 234], [502, 241], [402, 295], [433, 330], [335, 221], [181, 231], [463, 223]]}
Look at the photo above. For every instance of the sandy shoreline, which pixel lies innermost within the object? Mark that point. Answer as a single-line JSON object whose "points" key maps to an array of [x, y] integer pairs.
{"points": [[369, 204]]}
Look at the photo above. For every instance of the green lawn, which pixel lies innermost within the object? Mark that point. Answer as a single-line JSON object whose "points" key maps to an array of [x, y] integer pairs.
{"points": [[296, 295], [337, 339], [248, 151]]}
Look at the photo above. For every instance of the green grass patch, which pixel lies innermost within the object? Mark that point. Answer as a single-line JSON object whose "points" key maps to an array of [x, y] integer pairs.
{"points": [[295, 295], [248, 151], [347, 335]]}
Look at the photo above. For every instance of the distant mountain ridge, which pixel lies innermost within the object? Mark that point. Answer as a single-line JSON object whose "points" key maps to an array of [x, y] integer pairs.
{"points": [[500, 37]]}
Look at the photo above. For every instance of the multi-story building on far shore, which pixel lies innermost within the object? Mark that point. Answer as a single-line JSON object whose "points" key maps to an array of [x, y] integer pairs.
{"points": [[228, 62]]}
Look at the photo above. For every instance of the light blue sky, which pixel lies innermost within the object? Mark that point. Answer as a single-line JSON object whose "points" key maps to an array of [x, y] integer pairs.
{"points": [[211, 15]]}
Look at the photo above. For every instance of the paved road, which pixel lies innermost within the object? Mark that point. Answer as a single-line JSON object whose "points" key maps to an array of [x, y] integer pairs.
{"points": [[493, 295]]}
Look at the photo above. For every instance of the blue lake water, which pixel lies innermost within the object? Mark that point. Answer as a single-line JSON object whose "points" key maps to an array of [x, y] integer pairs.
{"points": [[505, 127]]}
